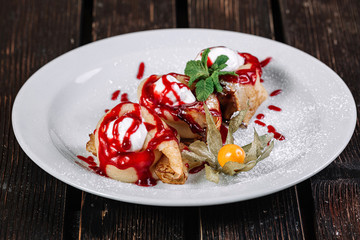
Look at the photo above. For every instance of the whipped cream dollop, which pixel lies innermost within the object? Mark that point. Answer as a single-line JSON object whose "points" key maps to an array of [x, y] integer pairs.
{"points": [[172, 92], [123, 129], [234, 62]]}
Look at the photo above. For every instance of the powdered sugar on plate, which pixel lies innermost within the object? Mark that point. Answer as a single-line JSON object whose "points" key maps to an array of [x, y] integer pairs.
{"points": [[63, 104]]}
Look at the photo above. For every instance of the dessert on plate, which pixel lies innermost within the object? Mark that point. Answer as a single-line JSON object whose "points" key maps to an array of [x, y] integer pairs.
{"points": [[243, 90], [171, 98], [132, 144], [176, 125]]}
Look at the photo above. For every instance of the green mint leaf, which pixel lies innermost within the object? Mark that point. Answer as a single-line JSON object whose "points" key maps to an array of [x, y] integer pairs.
{"points": [[204, 58], [221, 67], [204, 88], [220, 61], [215, 78], [195, 70], [227, 73]]}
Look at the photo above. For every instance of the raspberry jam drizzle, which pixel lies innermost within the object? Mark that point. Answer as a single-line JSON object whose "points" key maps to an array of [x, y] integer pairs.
{"points": [[91, 164], [261, 116], [197, 169], [112, 152], [223, 131], [274, 108], [258, 122], [248, 75], [277, 135], [265, 62], [275, 93], [124, 97], [141, 70], [163, 106], [115, 95]]}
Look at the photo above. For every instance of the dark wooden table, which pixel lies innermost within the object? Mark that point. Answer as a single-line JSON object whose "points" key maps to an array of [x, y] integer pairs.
{"points": [[34, 205]]}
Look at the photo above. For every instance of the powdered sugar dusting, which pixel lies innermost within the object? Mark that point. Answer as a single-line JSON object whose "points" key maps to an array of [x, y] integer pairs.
{"points": [[315, 103]]}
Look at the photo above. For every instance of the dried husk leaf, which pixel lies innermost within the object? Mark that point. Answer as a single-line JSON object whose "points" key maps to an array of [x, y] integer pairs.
{"points": [[231, 168], [266, 151], [213, 136], [234, 124], [201, 149], [256, 151], [264, 139], [251, 154], [191, 156], [211, 174]]}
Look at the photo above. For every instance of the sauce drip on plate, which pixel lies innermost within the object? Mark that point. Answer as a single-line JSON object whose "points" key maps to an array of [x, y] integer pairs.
{"points": [[141, 70]]}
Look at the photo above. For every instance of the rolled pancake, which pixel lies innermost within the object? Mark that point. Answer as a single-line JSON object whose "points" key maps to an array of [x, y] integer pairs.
{"points": [[244, 91], [188, 119], [139, 166]]}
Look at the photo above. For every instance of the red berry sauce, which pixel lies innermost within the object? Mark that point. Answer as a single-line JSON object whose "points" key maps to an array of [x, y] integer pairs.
{"points": [[274, 108], [277, 135], [260, 123], [223, 131], [163, 105], [197, 169], [275, 93], [124, 97], [115, 95], [112, 152], [265, 62], [260, 116], [141, 70], [246, 76]]}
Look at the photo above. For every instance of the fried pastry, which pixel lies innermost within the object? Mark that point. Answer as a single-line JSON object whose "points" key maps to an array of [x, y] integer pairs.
{"points": [[132, 144], [244, 91], [171, 98]]}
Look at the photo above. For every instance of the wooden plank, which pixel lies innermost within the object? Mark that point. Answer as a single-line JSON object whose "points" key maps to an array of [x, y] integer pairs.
{"points": [[273, 217], [118, 17], [254, 17], [107, 219], [329, 30], [32, 203]]}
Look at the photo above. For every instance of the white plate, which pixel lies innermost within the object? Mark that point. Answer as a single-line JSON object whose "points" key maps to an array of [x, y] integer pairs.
{"points": [[61, 104]]}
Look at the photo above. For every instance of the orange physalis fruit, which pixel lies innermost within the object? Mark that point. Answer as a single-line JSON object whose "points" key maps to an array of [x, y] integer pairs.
{"points": [[231, 153]]}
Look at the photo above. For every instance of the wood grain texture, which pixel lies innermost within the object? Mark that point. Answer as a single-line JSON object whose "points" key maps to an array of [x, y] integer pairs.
{"points": [[118, 17], [271, 217], [32, 203], [329, 30], [276, 216], [107, 219], [254, 17]]}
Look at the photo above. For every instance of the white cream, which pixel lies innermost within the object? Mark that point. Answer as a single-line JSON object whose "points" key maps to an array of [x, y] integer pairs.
{"points": [[184, 93], [234, 62], [137, 138]]}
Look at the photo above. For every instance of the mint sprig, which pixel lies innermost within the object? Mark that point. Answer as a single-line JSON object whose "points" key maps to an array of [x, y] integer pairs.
{"points": [[207, 78]]}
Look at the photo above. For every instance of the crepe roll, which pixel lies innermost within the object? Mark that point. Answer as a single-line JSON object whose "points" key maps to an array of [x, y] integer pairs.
{"points": [[130, 140]]}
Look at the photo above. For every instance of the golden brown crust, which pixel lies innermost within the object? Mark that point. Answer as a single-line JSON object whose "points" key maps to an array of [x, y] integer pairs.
{"points": [[181, 126], [169, 149], [237, 97], [90, 145], [166, 173]]}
